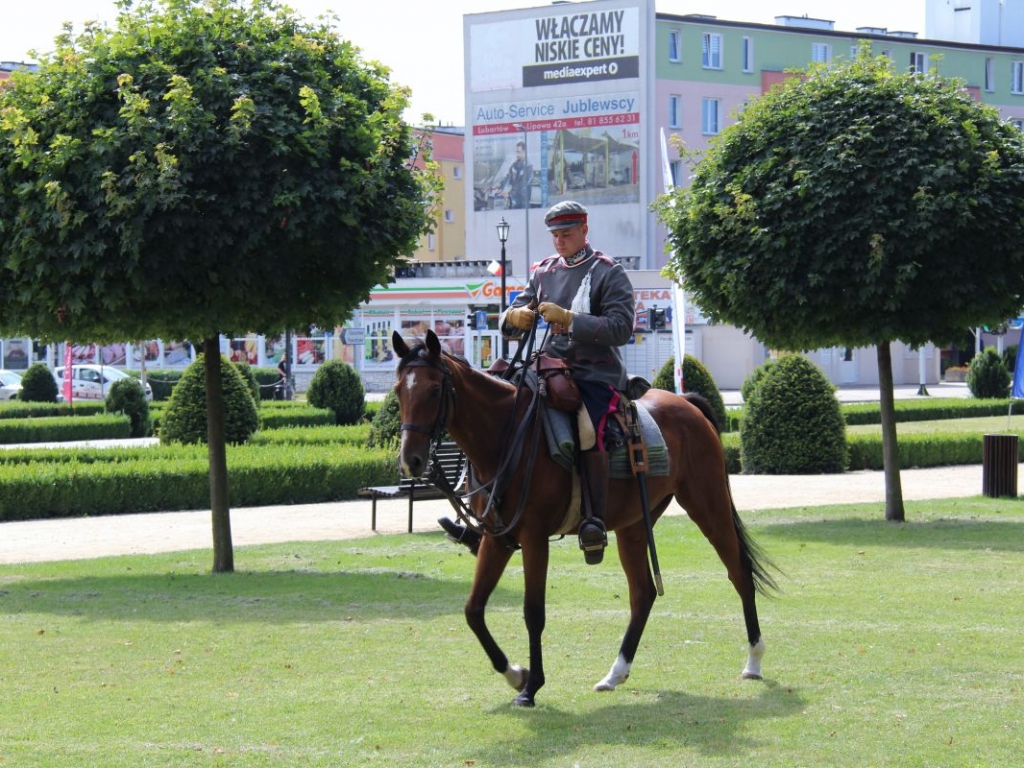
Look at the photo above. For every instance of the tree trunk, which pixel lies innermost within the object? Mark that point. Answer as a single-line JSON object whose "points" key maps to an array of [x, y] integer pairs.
{"points": [[890, 446], [223, 555]]}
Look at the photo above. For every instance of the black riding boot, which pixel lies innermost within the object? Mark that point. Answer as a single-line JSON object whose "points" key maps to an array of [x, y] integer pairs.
{"points": [[460, 534], [592, 534]]}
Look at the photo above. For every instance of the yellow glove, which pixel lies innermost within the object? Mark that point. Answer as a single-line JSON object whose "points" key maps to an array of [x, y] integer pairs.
{"points": [[555, 314], [522, 318]]}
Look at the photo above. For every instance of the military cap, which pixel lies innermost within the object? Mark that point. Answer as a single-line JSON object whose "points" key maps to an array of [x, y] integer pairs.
{"points": [[567, 213]]}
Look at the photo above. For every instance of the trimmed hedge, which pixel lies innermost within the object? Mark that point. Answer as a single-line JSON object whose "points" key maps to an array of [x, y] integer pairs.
{"points": [[62, 429], [17, 409], [351, 434], [298, 415], [257, 475]]}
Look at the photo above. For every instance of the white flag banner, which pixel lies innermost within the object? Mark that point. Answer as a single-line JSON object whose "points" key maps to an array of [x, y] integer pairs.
{"points": [[678, 299]]}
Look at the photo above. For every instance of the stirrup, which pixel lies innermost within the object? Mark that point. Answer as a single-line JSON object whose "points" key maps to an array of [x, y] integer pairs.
{"points": [[593, 539]]}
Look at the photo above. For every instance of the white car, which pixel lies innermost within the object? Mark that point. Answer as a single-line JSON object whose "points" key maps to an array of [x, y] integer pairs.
{"points": [[93, 382], [10, 385]]}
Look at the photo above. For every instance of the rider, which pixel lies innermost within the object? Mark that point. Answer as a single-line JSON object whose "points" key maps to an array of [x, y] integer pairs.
{"points": [[587, 300]]}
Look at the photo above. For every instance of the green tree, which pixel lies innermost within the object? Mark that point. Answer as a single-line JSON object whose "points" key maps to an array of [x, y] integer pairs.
{"points": [[205, 167], [855, 205]]}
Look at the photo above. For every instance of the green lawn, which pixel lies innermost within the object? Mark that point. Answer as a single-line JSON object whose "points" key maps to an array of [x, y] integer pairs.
{"points": [[890, 645], [980, 426]]}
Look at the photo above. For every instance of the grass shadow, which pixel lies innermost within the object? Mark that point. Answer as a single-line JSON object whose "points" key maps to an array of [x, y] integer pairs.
{"points": [[943, 533], [277, 597], [657, 719]]}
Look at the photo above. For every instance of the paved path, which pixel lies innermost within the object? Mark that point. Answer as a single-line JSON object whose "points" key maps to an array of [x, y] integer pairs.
{"points": [[82, 538]]}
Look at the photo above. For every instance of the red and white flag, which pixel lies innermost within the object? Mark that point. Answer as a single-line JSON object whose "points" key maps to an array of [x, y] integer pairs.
{"points": [[494, 268]]}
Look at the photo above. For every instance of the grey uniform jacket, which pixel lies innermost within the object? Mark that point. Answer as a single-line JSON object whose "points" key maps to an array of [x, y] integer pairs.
{"points": [[598, 292]]}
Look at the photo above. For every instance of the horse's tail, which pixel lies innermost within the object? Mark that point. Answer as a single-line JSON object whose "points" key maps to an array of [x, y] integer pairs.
{"points": [[754, 558], [701, 404]]}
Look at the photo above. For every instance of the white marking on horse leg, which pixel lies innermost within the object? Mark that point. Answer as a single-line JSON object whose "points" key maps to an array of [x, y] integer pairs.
{"points": [[516, 676], [619, 673], [753, 669]]}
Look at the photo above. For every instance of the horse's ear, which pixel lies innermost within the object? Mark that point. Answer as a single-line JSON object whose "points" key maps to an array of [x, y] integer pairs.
{"points": [[433, 344], [399, 344]]}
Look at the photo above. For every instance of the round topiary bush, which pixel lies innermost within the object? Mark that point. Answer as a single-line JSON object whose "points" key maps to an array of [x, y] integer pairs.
{"points": [[753, 381], [666, 378], [184, 419], [385, 429], [793, 425], [337, 387], [696, 378], [38, 385], [127, 396], [249, 377], [987, 375]]}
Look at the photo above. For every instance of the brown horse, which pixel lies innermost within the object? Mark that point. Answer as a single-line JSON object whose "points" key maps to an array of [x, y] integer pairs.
{"points": [[438, 392]]}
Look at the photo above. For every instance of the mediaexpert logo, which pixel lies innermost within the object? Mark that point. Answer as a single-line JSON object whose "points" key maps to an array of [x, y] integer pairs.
{"points": [[620, 68]]}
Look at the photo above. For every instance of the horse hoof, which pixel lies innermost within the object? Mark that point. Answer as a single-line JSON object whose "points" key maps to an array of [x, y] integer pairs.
{"points": [[523, 700], [751, 676]]}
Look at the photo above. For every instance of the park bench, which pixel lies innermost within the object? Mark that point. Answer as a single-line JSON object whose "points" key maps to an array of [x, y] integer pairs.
{"points": [[452, 462]]}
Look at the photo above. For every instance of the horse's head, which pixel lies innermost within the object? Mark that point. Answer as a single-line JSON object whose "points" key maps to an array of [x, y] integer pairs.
{"points": [[424, 389]]}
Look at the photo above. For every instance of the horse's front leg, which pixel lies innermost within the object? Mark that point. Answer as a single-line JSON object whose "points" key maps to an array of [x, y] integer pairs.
{"points": [[490, 565], [632, 546], [535, 572]]}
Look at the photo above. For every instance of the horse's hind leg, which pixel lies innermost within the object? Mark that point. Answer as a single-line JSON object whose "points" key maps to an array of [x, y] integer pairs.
{"points": [[632, 546], [715, 515], [490, 565]]}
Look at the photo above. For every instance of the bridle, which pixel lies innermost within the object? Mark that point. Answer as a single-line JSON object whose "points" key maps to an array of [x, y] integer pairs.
{"points": [[437, 429], [495, 487]]}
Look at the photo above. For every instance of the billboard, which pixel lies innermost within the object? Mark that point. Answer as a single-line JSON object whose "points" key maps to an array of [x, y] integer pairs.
{"points": [[555, 105]]}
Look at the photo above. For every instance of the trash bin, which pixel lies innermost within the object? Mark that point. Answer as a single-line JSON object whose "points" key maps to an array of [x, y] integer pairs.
{"points": [[999, 465]]}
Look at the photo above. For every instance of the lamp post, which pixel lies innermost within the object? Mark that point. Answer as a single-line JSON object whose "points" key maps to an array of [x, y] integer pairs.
{"points": [[529, 193], [502, 228]]}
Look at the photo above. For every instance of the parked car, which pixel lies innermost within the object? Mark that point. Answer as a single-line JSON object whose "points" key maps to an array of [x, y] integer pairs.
{"points": [[10, 385], [93, 382]]}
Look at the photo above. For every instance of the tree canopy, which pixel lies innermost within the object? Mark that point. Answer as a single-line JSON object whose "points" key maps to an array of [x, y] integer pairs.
{"points": [[852, 205], [206, 167]]}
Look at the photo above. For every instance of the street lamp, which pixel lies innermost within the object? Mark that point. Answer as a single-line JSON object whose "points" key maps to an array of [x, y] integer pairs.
{"points": [[502, 228], [529, 192]]}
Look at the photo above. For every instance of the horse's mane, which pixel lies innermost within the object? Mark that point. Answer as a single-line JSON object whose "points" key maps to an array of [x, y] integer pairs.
{"points": [[418, 350]]}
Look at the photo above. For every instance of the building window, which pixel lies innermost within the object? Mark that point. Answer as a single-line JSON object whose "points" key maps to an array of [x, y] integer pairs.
{"points": [[675, 45], [457, 172], [449, 216], [431, 242], [918, 63], [711, 51], [887, 53], [675, 167], [748, 54], [675, 111], [1018, 123], [710, 110], [821, 53], [1017, 76]]}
